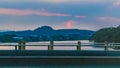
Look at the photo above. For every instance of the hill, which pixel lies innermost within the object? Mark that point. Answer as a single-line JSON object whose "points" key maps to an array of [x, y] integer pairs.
{"points": [[46, 33], [110, 34]]}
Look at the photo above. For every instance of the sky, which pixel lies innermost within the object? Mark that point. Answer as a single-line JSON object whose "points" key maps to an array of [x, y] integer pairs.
{"points": [[59, 14]]}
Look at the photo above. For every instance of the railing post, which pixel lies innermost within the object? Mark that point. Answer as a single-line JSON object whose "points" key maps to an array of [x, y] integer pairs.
{"points": [[106, 46], [50, 47], [15, 47], [79, 45], [21, 45], [51, 44]]}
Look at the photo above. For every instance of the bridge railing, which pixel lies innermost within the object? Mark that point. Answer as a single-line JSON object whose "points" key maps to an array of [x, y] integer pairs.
{"points": [[78, 45]]}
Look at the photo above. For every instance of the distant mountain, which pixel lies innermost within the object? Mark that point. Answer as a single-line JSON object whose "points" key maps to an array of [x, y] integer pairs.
{"points": [[44, 30], [48, 33]]}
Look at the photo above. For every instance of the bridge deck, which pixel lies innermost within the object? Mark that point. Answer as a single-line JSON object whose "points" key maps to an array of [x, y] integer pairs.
{"points": [[44, 57], [58, 53]]}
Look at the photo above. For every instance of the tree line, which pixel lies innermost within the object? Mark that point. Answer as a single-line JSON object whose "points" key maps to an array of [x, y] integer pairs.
{"points": [[111, 34]]}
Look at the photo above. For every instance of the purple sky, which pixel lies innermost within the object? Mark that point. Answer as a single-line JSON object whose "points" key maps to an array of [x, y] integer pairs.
{"points": [[59, 14]]}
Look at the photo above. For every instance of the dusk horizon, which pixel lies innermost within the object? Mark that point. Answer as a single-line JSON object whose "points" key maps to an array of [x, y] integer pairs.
{"points": [[60, 33], [59, 14], [45, 26]]}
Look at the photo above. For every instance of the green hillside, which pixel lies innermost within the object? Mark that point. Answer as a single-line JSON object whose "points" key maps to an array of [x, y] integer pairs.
{"points": [[111, 34]]}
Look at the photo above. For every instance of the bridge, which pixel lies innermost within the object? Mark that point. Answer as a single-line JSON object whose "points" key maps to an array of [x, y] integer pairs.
{"points": [[20, 55]]}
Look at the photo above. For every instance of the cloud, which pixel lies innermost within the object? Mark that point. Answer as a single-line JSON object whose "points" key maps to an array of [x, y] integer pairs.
{"points": [[54, 1], [42, 12], [59, 1], [109, 19], [40, 1], [73, 24], [80, 16], [8, 11], [116, 3], [69, 24]]}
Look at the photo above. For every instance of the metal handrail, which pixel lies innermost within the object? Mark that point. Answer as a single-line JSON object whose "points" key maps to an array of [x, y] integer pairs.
{"points": [[78, 45], [67, 44]]}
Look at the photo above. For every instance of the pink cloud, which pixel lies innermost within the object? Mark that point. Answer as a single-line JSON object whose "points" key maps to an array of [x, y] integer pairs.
{"points": [[80, 16], [64, 1], [69, 24], [8, 11]]}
